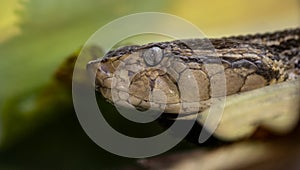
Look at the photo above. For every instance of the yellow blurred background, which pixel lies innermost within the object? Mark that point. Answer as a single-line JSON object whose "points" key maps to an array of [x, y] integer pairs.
{"points": [[215, 17]]}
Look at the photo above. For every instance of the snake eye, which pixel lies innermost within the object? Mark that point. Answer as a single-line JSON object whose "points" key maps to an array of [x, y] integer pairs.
{"points": [[153, 56]]}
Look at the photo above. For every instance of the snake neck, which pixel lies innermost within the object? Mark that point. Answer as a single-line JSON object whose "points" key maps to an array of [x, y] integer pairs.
{"points": [[284, 46]]}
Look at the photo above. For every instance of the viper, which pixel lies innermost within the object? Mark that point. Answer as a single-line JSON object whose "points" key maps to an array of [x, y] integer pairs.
{"points": [[182, 77]]}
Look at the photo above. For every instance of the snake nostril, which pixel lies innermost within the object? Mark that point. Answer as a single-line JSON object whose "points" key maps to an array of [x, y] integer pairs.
{"points": [[104, 69], [107, 69]]}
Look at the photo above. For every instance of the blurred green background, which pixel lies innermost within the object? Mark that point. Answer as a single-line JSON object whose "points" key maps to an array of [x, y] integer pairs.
{"points": [[38, 128]]}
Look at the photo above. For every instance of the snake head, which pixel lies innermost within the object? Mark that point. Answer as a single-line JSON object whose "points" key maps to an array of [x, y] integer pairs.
{"points": [[148, 77], [183, 75]]}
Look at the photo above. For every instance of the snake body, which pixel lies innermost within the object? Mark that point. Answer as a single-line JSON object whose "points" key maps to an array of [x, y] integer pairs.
{"points": [[173, 76]]}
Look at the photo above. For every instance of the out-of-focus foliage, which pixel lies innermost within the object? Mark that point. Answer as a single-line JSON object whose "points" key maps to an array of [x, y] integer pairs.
{"points": [[49, 32], [9, 19]]}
